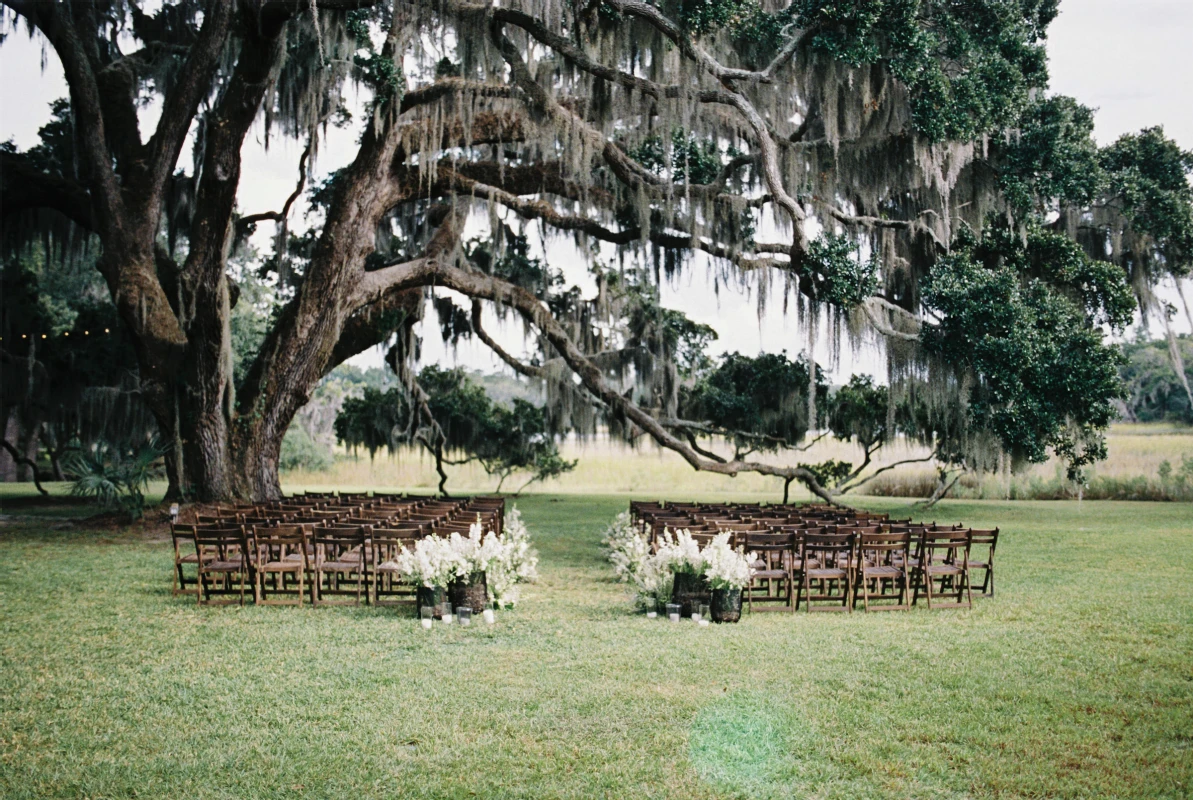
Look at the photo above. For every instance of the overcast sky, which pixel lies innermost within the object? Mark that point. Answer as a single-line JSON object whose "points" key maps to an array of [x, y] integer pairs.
{"points": [[1129, 59]]}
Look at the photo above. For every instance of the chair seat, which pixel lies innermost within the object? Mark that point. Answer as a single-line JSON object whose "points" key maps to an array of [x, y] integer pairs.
{"points": [[978, 565], [222, 566], [190, 558], [280, 566], [943, 569], [882, 572], [340, 566], [827, 573], [770, 574], [387, 566]]}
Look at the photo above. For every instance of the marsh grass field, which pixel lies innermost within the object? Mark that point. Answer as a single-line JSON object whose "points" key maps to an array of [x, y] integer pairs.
{"points": [[1136, 453], [1076, 680]]}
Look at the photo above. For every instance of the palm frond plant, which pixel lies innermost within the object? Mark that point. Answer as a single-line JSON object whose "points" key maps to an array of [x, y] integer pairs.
{"points": [[116, 476]]}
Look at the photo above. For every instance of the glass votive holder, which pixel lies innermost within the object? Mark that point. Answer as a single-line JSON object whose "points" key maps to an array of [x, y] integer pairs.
{"points": [[703, 613], [703, 623], [489, 616], [673, 611], [427, 615], [464, 615], [445, 612]]}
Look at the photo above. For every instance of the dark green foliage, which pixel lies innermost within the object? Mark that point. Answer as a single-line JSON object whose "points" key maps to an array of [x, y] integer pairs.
{"points": [[250, 320], [116, 476], [845, 280], [1052, 157], [760, 402], [503, 438], [1100, 289], [692, 160], [374, 420], [1154, 393], [1041, 375], [859, 411], [1149, 177], [68, 365], [831, 472], [300, 451], [969, 67], [373, 68], [55, 153], [704, 16]]}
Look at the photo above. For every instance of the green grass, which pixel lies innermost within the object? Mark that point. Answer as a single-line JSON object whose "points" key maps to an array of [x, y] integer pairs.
{"points": [[1076, 681]]}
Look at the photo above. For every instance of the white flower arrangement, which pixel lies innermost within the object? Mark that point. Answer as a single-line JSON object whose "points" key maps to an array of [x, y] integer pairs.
{"points": [[633, 563], [681, 553], [431, 563], [476, 553], [724, 567], [518, 562], [506, 560]]}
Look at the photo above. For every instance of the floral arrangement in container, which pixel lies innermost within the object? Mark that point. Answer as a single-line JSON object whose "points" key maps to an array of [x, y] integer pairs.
{"points": [[633, 563], [430, 566], [517, 564], [727, 572], [683, 557], [471, 571], [476, 554]]}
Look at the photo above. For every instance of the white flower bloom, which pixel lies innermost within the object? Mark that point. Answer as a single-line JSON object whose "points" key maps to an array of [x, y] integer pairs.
{"points": [[506, 560], [726, 568]]}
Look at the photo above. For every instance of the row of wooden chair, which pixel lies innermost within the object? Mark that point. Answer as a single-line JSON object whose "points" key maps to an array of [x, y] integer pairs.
{"points": [[332, 546], [830, 558]]}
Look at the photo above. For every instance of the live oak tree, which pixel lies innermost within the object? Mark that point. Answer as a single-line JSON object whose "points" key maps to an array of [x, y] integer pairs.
{"points": [[891, 168]]}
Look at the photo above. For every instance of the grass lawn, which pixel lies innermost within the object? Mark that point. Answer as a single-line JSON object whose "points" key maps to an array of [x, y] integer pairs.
{"points": [[1076, 681]]}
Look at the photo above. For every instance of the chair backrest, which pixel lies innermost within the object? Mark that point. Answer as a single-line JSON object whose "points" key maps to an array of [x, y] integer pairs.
{"points": [[826, 546], [884, 547], [944, 545], [274, 543], [989, 537], [330, 542], [225, 540], [765, 542]]}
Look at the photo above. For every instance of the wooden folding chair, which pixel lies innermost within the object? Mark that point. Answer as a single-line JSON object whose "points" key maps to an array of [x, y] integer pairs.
{"points": [[986, 538], [183, 537], [881, 571], [339, 557], [772, 571], [221, 563], [826, 559], [279, 557], [944, 557], [384, 546]]}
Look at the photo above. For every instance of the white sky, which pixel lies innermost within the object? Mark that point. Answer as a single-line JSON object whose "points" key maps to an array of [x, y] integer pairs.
{"points": [[1129, 60]]}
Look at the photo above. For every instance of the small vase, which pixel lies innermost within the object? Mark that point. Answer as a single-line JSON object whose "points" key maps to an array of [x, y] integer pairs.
{"points": [[690, 591], [430, 597], [471, 592], [726, 605]]}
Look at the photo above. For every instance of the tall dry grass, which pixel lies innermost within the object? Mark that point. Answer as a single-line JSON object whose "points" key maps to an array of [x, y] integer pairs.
{"points": [[1136, 453]]}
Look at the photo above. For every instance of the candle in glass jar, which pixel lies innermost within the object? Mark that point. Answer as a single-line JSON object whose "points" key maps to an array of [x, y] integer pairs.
{"points": [[490, 618], [427, 613], [673, 612], [464, 614]]}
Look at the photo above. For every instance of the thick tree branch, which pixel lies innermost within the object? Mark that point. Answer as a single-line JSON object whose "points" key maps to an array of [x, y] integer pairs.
{"points": [[180, 105], [526, 370], [24, 188]]}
